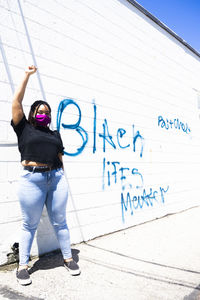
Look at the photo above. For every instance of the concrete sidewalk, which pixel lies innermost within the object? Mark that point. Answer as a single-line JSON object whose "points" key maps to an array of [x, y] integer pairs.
{"points": [[155, 260]]}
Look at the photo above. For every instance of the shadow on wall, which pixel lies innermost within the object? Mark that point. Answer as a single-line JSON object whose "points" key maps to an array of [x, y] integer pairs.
{"points": [[46, 240], [195, 295]]}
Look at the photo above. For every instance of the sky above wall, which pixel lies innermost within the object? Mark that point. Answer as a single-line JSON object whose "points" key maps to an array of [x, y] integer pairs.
{"points": [[181, 16]]}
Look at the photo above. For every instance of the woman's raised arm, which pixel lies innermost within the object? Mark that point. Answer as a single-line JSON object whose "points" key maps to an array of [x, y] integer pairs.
{"points": [[17, 109]]}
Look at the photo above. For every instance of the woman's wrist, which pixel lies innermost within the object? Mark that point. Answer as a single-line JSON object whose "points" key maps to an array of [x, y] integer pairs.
{"points": [[26, 75]]}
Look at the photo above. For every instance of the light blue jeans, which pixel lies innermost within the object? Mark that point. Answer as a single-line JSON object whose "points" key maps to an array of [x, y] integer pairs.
{"points": [[36, 190]]}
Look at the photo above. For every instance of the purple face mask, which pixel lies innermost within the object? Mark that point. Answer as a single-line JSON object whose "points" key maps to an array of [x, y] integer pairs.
{"points": [[42, 120]]}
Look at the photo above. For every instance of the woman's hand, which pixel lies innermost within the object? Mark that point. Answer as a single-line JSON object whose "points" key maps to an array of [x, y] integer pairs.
{"points": [[30, 70]]}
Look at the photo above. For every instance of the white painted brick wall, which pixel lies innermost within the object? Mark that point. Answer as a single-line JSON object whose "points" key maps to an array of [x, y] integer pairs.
{"points": [[108, 55]]}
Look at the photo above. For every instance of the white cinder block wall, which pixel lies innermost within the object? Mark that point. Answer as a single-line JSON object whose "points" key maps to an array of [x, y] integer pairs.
{"points": [[124, 94]]}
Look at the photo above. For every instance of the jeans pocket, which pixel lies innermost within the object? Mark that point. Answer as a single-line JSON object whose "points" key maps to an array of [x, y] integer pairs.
{"points": [[25, 173], [60, 171]]}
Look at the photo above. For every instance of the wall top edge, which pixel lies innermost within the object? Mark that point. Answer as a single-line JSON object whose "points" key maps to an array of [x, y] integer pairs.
{"points": [[162, 25]]}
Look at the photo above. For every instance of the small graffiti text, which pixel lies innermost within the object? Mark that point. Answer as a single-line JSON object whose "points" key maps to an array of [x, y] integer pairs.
{"points": [[173, 124]]}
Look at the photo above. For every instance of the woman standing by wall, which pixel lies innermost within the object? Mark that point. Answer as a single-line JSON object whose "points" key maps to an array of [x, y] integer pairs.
{"points": [[42, 181]]}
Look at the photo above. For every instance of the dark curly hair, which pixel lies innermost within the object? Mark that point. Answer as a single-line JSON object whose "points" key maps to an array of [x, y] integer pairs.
{"points": [[35, 106]]}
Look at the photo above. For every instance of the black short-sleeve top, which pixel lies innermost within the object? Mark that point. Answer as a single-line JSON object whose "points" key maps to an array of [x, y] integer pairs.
{"points": [[38, 143]]}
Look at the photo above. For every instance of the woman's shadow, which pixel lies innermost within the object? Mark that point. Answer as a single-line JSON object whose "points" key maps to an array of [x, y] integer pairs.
{"points": [[46, 242], [52, 260]]}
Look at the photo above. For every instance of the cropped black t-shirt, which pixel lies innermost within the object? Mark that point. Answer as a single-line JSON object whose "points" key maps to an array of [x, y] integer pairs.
{"points": [[38, 143]]}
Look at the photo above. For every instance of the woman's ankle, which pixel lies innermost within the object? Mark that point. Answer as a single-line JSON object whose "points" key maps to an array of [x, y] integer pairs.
{"points": [[68, 259], [21, 267]]}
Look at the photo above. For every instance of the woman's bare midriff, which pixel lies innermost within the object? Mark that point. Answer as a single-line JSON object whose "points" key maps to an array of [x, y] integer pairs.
{"points": [[32, 163]]}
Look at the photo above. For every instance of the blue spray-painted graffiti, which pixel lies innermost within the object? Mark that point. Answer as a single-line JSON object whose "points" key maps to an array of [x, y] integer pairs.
{"points": [[175, 123], [133, 194], [94, 127], [114, 173], [84, 135], [120, 133], [106, 136], [133, 201]]}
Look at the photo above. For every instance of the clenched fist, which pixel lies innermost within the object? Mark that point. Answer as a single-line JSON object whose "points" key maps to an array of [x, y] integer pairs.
{"points": [[31, 70]]}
